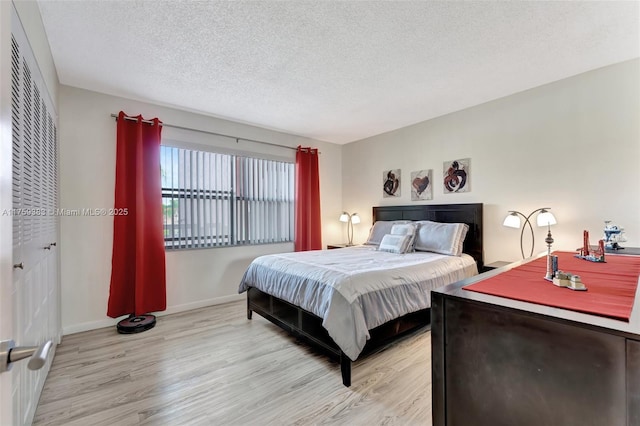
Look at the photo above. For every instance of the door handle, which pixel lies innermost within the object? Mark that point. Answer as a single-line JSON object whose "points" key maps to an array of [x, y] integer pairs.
{"points": [[10, 353]]}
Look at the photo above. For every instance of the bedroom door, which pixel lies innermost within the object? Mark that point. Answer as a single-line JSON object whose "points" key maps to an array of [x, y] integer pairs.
{"points": [[29, 283], [6, 280]]}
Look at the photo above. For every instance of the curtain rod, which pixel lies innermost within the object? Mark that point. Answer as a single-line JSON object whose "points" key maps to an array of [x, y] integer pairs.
{"points": [[209, 133]]}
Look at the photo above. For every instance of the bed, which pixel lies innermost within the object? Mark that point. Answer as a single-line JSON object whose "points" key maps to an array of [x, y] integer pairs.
{"points": [[352, 300]]}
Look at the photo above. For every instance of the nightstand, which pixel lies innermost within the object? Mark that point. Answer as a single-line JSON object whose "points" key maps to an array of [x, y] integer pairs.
{"points": [[494, 265], [337, 246]]}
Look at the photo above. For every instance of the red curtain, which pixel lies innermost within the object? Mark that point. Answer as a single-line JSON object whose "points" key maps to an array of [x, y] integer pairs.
{"points": [[308, 227], [138, 281]]}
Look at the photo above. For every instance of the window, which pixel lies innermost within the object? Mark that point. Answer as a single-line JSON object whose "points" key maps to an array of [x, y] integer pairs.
{"points": [[212, 200]]}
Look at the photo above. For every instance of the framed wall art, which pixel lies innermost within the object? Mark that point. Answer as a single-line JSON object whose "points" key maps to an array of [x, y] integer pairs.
{"points": [[391, 183], [456, 176], [421, 185]]}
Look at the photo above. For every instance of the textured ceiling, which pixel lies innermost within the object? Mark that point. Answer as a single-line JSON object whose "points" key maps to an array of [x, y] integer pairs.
{"points": [[334, 71]]}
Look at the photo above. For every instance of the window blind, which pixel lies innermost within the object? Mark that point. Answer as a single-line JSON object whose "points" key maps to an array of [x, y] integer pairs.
{"points": [[214, 200]]}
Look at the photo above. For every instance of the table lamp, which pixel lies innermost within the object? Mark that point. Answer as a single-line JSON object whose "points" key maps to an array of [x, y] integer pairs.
{"points": [[350, 219], [544, 218]]}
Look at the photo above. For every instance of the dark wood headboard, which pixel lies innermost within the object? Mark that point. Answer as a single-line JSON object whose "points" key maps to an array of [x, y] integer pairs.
{"points": [[471, 214]]}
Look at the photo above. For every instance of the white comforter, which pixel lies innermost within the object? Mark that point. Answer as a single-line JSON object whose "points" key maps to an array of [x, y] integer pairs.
{"points": [[355, 289]]}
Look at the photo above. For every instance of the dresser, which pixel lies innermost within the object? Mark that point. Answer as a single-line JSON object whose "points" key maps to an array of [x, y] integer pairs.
{"points": [[499, 361]]}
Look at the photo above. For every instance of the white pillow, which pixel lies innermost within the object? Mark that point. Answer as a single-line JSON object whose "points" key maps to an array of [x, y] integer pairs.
{"points": [[380, 229], [443, 238], [405, 229], [395, 243]]}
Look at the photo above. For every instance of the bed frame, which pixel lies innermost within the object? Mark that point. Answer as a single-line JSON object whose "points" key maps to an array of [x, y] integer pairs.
{"points": [[308, 326]]}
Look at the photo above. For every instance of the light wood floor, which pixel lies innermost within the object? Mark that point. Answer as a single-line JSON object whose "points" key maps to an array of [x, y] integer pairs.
{"points": [[212, 366]]}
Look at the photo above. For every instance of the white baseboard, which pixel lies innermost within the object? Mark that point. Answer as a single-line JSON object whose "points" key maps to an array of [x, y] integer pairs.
{"points": [[201, 304], [111, 322]]}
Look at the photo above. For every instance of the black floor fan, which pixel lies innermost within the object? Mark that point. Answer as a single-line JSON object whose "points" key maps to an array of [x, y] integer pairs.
{"points": [[136, 324]]}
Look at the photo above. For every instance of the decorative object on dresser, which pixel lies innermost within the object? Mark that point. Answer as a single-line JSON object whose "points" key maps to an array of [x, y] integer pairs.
{"points": [[455, 176], [590, 253], [613, 234], [556, 276], [552, 261], [568, 280], [350, 220], [545, 218]]}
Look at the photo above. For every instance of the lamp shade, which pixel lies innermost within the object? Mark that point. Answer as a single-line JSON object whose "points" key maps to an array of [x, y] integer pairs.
{"points": [[546, 218], [512, 220], [355, 219], [344, 217]]}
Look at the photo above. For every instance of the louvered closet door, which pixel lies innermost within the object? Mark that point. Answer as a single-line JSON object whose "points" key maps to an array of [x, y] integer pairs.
{"points": [[36, 316]]}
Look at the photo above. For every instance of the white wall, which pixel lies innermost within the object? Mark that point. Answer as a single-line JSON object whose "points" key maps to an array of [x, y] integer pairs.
{"points": [[572, 145], [195, 278]]}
